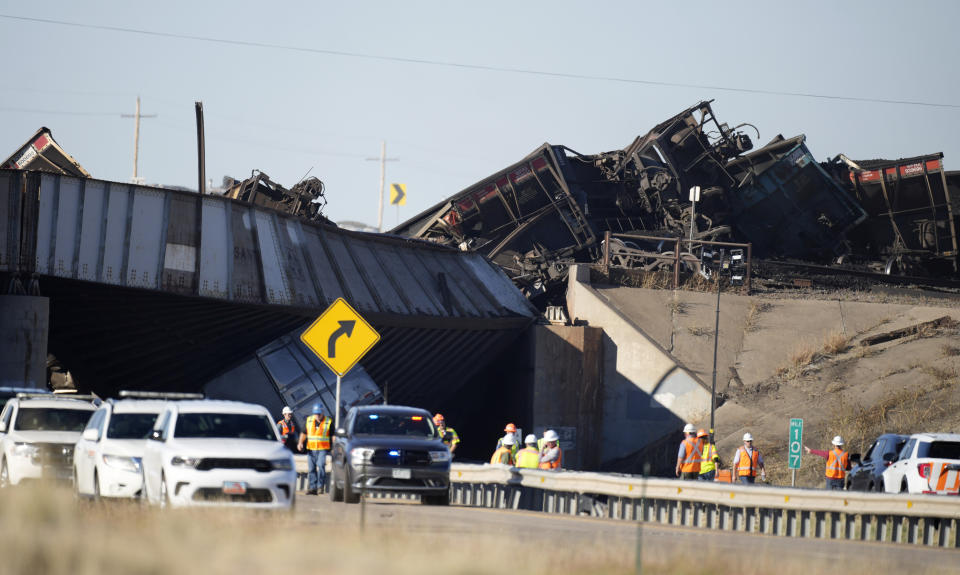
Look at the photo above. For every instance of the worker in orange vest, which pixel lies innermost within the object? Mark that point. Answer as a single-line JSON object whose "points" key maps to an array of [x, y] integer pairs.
{"points": [[288, 429], [748, 462], [838, 464], [688, 458], [551, 456], [504, 453], [317, 437]]}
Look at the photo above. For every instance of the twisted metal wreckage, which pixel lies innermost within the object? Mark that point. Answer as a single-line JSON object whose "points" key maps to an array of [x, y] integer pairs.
{"points": [[552, 208]]}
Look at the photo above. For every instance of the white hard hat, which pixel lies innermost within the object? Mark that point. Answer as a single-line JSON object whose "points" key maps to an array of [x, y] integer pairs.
{"points": [[508, 439], [286, 410], [551, 435], [689, 428], [531, 438], [837, 440], [747, 437]]}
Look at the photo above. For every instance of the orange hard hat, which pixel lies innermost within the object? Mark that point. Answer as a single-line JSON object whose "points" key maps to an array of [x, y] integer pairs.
{"points": [[702, 433], [438, 419], [510, 428]]}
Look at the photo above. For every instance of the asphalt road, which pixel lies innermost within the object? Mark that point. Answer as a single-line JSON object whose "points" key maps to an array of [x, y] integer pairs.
{"points": [[622, 536]]}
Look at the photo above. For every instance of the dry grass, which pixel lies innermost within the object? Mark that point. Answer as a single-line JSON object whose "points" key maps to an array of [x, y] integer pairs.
{"points": [[46, 532], [678, 307], [757, 308], [806, 353], [949, 350], [700, 331]]}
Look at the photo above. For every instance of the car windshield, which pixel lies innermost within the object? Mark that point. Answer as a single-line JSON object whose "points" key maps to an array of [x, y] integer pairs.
{"points": [[406, 424], [131, 425], [224, 425], [51, 419], [939, 450]]}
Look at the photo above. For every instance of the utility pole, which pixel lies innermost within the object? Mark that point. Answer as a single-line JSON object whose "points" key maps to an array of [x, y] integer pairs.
{"points": [[383, 159], [136, 137]]}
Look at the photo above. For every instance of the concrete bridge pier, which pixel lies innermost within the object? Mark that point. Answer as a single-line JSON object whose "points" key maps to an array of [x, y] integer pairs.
{"points": [[24, 322]]}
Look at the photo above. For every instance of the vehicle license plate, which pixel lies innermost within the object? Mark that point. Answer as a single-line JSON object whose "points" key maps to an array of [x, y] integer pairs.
{"points": [[401, 474], [234, 488]]}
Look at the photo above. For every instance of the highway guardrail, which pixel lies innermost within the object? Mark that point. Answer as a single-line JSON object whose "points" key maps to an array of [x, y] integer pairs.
{"points": [[931, 520]]}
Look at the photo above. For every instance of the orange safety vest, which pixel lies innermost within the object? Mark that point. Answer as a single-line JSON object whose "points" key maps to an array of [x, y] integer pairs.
{"points": [[502, 455], [286, 429], [555, 464], [528, 458], [747, 465], [691, 459], [318, 432], [837, 464]]}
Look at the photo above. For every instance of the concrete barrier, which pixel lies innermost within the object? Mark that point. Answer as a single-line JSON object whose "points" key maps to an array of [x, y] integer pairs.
{"points": [[916, 519]]}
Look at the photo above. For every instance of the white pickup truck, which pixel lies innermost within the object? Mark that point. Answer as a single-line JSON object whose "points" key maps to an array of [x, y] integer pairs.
{"points": [[928, 463]]}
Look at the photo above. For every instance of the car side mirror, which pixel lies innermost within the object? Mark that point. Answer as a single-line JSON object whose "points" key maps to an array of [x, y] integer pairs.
{"points": [[889, 457], [855, 459], [156, 435], [91, 434]]}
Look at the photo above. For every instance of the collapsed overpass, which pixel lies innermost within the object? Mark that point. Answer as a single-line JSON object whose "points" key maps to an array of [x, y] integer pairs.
{"points": [[162, 289]]}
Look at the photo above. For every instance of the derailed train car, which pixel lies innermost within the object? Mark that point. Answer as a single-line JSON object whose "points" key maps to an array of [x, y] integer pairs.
{"points": [[911, 220], [552, 208]]}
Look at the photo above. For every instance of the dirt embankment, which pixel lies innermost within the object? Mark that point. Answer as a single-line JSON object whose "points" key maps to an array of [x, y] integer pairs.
{"points": [[850, 363]]}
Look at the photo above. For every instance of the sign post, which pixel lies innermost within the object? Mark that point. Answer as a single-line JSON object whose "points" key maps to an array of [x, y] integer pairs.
{"points": [[340, 337], [694, 198], [795, 441]]}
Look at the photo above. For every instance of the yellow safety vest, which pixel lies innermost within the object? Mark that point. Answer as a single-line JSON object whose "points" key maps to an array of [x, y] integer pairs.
{"points": [[318, 432], [528, 458], [709, 461], [502, 455]]}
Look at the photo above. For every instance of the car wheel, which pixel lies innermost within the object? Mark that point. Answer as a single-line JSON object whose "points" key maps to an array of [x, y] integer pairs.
{"points": [[4, 475], [436, 499], [336, 493], [349, 495]]}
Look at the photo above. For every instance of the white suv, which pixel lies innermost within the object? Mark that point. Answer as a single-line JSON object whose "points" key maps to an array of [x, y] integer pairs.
{"points": [[37, 435], [106, 460], [928, 463], [217, 452]]}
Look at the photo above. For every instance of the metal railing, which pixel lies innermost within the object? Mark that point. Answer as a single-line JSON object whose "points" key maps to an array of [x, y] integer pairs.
{"points": [[917, 519], [675, 256]]}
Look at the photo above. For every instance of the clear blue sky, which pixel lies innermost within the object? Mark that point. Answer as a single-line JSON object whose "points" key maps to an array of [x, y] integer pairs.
{"points": [[330, 80]]}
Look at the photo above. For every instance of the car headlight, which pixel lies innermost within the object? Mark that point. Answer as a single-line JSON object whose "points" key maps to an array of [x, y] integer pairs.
{"points": [[185, 461], [123, 462], [25, 449], [282, 464], [361, 455], [438, 456]]}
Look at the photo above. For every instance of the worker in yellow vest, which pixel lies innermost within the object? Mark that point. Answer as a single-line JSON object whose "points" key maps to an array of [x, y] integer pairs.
{"points": [[709, 458], [504, 454], [446, 434], [510, 429], [838, 464], [529, 456], [317, 437]]}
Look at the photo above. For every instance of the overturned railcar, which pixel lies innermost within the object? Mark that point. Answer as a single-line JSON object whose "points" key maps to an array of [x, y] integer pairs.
{"points": [[553, 207], [910, 227]]}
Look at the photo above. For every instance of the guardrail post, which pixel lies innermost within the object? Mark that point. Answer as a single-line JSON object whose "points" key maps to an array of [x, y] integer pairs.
{"points": [[835, 525], [913, 530], [672, 512], [685, 512], [792, 524], [767, 518], [805, 524], [850, 527], [820, 523], [931, 530], [726, 518], [897, 529], [750, 516]]}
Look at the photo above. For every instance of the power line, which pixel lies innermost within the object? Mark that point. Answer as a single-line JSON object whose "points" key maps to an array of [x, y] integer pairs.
{"points": [[482, 67], [56, 112]]}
